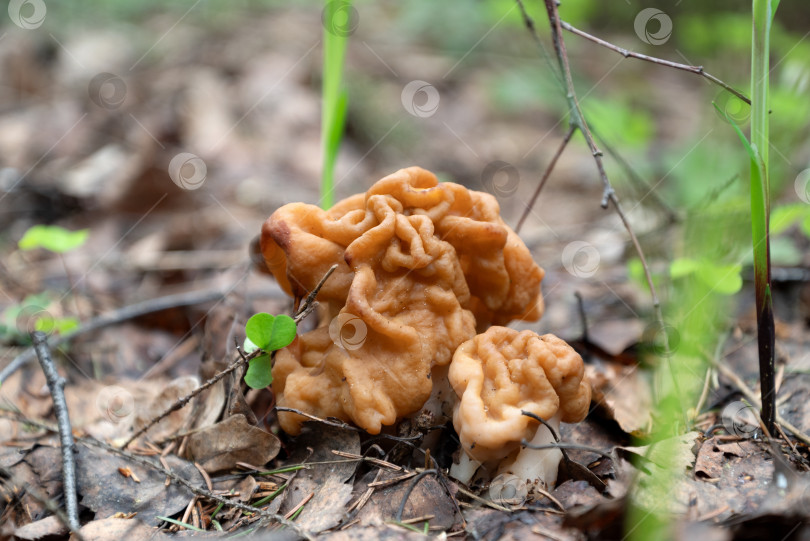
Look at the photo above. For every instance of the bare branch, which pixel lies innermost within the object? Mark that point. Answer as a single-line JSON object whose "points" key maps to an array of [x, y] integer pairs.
{"points": [[698, 70], [56, 385]]}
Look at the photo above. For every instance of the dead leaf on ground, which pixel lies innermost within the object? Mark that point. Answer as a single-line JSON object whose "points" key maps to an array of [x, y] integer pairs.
{"points": [[740, 484], [489, 524], [429, 497], [385, 532], [325, 478], [713, 456], [48, 526], [103, 490], [623, 393], [220, 446], [615, 335], [168, 394], [115, 529], [327, 507], [577, 493]]}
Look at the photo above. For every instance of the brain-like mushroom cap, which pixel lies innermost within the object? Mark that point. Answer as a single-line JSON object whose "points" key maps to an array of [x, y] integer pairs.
{"points": [[418, 263], [501, 372]]}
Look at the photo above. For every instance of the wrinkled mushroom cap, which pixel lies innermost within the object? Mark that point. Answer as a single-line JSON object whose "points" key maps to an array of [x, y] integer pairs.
{"points": [[501, 372], [299, 243], [420, 264]]}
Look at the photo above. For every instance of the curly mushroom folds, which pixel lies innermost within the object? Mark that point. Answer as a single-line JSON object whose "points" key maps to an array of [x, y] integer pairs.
{"points": [[419, 265], [496, 375]]}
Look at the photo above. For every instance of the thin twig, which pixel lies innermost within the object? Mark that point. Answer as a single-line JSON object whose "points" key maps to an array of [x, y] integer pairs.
{"points": [[608, 194], [117, 316], [545, 176], [337, 423], [195, 489], [478, 498], [704, 393], [698, 70], [636, 178], [549, 427], [309, 302], [409, 490], [752, 397], [180, 403], [47, 502], [56, 385], [583, 317]]}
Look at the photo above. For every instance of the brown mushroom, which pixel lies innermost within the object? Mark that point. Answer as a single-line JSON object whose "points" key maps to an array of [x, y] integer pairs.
{"points": [[418, 263], [500, 373]]}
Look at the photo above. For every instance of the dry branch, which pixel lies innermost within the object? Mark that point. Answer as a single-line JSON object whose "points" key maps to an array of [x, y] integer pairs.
{"points": [[56, 386]]}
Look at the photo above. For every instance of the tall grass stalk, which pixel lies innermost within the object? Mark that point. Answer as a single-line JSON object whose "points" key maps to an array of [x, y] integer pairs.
{"points": [[335, 97], [763, 11]]}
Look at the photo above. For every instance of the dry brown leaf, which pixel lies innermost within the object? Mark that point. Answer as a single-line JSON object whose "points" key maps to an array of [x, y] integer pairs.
{"points": [[327, 507], [102, 489], [624, 394], [49, 526], [115, 529], [168, 395], [615, 335], [428, 497], [220, 446]]}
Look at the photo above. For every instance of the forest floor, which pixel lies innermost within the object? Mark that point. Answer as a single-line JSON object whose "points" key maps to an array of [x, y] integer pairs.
{"points": [[244, 97]]}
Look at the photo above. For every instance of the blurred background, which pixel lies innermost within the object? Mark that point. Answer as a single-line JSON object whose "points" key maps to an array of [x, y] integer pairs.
{"points": [[171, 130]]}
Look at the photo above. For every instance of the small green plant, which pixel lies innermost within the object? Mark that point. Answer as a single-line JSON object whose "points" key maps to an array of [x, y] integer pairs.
{"points": [[17, 321], [53, 238], [267, 333]]}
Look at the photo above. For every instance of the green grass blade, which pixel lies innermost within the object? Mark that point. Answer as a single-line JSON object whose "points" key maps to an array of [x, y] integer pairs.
{"points": [[183, 524], [335, 98]]}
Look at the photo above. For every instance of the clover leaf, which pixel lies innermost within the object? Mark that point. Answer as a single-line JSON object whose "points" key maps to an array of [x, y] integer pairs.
{"points": [[267, 333]]}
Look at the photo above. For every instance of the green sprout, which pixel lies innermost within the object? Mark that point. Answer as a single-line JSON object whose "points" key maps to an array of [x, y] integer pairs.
{"points": [[267, 333], [53, 238]]}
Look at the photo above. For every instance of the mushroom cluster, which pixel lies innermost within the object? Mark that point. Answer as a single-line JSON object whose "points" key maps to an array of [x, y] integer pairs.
{"points": [[422, 265]]}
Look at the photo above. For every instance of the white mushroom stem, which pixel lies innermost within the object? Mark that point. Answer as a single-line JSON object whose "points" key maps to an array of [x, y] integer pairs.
{"points": [[532, 465], [465, 470], [442, 397]]}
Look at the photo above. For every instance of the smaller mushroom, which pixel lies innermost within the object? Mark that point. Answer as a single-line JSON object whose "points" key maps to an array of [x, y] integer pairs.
{"points": [[499, 374]]}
